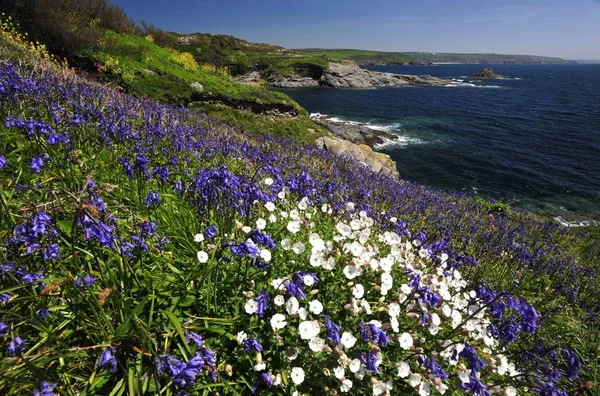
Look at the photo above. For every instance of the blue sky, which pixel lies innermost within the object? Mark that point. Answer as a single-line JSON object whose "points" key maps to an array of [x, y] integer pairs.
{"points": [[565, 28]]}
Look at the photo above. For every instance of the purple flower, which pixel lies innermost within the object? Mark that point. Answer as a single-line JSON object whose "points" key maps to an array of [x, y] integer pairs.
{"points": [[263, 303], [37, 162], [152, 199], [210, 231], [46, 389], [43, 313], [3, 162], [182, 374], [195, 338], [108, 360], [252, 344], [4, 329], [85, 282], [4, 298], [333, 330], [51, 252], [16, 346]]}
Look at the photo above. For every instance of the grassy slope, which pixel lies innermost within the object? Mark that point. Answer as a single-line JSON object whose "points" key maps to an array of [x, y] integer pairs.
{"points": [[170, 82]]}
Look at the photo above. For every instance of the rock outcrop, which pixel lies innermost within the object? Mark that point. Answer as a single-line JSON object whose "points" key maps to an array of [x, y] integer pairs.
{"points": [[488, 73], [348, 74], [379, 162], [354, 132]]}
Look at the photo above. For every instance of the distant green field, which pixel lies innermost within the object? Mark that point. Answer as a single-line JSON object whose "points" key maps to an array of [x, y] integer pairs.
{"points": [[484, 58], [362, 56]]}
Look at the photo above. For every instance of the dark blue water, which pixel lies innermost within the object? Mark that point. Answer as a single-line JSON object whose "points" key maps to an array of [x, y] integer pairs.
{"points": [[532, 141]]}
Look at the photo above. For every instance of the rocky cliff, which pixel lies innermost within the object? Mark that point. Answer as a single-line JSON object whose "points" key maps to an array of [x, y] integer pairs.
{"points": [[346, 74]]}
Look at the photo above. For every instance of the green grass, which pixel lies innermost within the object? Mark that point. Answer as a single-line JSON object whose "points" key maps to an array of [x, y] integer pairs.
{"points": [[135, 55], [361, 56], [296, 128]]}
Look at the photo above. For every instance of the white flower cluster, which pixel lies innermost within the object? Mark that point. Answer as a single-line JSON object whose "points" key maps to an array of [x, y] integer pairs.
{"points": [[386, 284]]}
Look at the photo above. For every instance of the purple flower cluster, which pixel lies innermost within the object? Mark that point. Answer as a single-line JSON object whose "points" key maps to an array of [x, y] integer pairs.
{"points": [[372, 332]]}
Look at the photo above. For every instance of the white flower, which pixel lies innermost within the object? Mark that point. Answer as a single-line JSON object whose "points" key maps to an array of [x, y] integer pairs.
{"points": [[265, 255], [261, 224], [268, 181], [279, 300], [347, 340], [278, 321], [315, 307], [241, 336], [260, 367], [246, 229], [414, 380], [346, 386], [406, 341], [272, 218], [302, 313], [198, 237], [202, 256], [424, 389], [343, 229], [278, 284], [358, 291], [298, 248], [354, 365], [286, 244], [308, 329], [292, 354], [350, 206], [316, 344], [442, 388], [403, 370], [393, 309], [351, 272], [293, 226], [292, 305], [316, 242], [339, 372], [270, 206], [308, 280], [297, 375], [251, 306], [463, 376], [510, 391], [278, 380], [303, 204]]}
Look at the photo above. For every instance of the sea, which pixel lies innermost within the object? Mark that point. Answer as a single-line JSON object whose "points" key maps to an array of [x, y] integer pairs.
{"points": [[532, 141]]}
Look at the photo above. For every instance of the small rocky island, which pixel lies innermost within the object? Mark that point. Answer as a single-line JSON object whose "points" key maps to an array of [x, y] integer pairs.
{"points": [[489, 74]]}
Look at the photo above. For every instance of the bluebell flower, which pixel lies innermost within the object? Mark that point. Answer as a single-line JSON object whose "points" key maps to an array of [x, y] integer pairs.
{"points": [[210, 231], [85, 282], [43, 313], [252, 344], [4, 298], [4, 328], [52, 252], [108, 360], [46, 389], [370, 361], [3, 162], [152, 199], [333, 330], [16, 346], [263, 303], [37, 162]]}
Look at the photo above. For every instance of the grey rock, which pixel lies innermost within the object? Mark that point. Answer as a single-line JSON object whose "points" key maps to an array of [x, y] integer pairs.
{"points": [[293, 81], [488, 73], [148, 72], [250, 78], [348, 74], [356, 132]]}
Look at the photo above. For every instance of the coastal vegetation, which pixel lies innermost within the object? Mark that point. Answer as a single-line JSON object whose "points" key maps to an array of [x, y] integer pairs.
{"points": [[149, 248]]}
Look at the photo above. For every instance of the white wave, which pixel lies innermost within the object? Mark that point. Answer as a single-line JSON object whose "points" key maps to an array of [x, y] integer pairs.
{"points": [[469, 85], [582, 223], [400, 141], [316, 115], [384, 128]]}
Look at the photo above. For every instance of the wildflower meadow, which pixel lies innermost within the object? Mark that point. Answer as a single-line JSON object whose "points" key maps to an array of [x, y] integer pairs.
{"points": [[151, 249]]}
